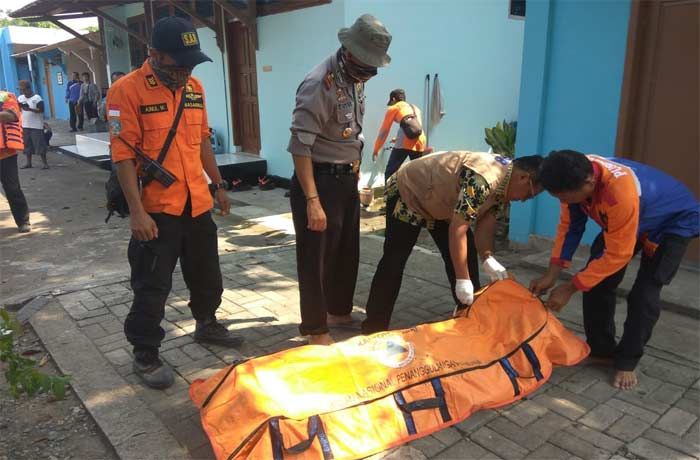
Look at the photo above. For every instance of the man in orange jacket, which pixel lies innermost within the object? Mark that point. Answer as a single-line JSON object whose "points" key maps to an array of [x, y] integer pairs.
{"points": [[638, 208], [10, 142], [404, 147], [168, 222]]}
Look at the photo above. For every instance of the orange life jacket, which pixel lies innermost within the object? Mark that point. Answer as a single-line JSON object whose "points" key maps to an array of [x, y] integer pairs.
{"points": [[370, 393], [11, 139]]}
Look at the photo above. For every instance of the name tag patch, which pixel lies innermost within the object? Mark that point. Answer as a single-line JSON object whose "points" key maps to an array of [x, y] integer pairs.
{"points": [[194, 105], [154, 108]]}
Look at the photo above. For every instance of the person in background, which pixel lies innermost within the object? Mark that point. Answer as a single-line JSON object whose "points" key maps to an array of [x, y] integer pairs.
{"points": [[404, 146], [11, 142], [638, 208], [88, 100], [72, 96], [32, 124]]}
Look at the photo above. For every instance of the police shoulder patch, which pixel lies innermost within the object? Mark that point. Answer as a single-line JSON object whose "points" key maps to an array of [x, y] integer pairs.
{"points": [[151, 81], [154, 108]]}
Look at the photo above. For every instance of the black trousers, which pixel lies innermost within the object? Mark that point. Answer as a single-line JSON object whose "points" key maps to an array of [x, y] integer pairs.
{"points": [[73, 115], [327, 261], [396, 159], [398, 243], [643, 303], [192, 241], [9, 177]]}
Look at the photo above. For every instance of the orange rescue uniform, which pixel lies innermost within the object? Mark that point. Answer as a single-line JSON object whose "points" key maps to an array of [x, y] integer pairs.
{"points": [[11, 139], [141, 110], [394, 114]]}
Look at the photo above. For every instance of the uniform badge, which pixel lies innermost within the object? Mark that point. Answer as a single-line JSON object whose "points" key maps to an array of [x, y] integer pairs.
{"points": [[328, 80], [115, 126], [189, 88], [189, 39], [151, 80], [340, 94], [347, 132]]}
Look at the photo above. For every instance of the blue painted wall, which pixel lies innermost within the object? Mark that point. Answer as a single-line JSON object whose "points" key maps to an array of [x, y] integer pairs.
{"points": [[473, 45], [8, 80], [573, 64], [213, 77], [281, 46]]}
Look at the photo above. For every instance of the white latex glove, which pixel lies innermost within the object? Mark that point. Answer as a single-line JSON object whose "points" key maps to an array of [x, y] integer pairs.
{"points": [[464, 290], [494, 269]]}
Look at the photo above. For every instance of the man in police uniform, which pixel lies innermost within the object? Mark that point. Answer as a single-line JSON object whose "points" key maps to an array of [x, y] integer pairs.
{"points": [[326, 144], [174, 222]]}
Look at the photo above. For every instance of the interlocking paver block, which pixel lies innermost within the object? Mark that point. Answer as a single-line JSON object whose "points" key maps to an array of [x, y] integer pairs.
{"points": [[676, 421], [645, 448], [464, 449], [516, 433], [476, 420], [549, 452], [673, 442], [594, 437], [672, 373], [628, 428], [631, 409], [578, 447], [118, 357], [195, 351], [600, 391], [498, 444], [601, 417], [176, 357], [525, 412], [668, 393], [570, 405], [93, 331]]}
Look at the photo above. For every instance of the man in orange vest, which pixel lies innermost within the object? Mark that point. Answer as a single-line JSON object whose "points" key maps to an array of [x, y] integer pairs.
{"points": [[10, 142], [399, 110], [170, 219]]}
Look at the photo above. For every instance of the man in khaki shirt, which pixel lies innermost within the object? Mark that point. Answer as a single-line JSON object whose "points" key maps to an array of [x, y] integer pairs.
{"points": [[446, 192]]}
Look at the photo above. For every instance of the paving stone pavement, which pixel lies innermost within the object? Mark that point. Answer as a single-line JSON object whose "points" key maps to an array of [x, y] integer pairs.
{"points": [[577, 414]]}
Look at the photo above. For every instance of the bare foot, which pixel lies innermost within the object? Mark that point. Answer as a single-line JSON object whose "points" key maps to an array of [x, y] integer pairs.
{"points": [[625, 380], [335, 320], [321, 339]]}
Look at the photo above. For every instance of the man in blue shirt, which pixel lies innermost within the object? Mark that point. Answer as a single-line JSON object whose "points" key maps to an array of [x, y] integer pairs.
{"points": [[72, 96]]}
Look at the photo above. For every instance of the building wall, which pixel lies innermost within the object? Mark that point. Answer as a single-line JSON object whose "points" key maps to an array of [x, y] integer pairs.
{"points": [[214, 77], [8, 79], [117, 40], [292, 43], [460, 43], [573, 64]]}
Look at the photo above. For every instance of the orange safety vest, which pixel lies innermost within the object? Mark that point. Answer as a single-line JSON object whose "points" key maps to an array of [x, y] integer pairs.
{"points": [[370, 393], [11, 139]]}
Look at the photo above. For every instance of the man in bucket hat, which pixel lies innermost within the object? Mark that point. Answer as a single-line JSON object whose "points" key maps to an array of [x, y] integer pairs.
{"points": [[161, 110], [326, 145]]}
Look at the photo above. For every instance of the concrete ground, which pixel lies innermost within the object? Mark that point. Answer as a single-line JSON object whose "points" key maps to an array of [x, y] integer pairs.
{"points": [[74, 267]]}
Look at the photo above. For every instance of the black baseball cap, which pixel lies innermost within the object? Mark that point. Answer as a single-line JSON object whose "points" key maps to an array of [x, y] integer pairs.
{"points": [[398, 94], [178, 38]]}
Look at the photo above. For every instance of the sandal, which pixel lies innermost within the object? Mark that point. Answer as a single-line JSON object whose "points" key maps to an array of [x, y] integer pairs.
{"points": [[237, 185], [265, 183]]}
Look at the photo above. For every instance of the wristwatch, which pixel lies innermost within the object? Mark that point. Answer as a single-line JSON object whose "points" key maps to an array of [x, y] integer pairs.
{"points": [[220, 185]]}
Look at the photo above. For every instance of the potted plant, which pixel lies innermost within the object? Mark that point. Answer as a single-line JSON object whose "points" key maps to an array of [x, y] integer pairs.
{"points": [[501, 138]]}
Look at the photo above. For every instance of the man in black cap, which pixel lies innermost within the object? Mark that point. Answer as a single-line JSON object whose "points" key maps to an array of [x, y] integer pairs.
{"points": [[169, 221], [326, 144]]}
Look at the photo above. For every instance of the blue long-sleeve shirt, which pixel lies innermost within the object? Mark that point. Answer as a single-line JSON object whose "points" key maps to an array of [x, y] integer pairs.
{"points": [[73, 90]]}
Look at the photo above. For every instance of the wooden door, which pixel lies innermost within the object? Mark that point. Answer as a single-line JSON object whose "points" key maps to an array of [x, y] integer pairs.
{"points": [[244, 87], [660, 100]]}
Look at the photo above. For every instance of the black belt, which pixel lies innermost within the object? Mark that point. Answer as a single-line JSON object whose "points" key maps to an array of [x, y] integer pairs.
{"points": [[333, 168]]}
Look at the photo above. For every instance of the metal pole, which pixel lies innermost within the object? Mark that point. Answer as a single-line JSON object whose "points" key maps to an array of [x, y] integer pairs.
{"points": [[426, 110]]}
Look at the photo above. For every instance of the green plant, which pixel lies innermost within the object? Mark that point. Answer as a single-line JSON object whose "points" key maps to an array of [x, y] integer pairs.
{"points": [[21, 373], [501, 138]]}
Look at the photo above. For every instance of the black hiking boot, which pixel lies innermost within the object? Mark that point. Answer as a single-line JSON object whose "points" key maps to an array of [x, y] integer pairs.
{"points": [[151, 370], [216, 333]]}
